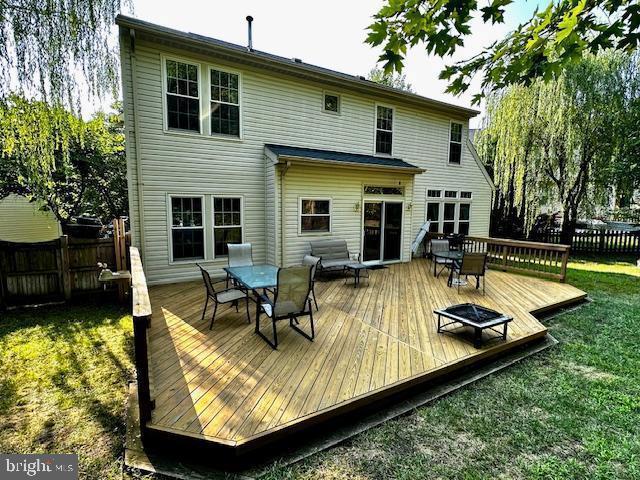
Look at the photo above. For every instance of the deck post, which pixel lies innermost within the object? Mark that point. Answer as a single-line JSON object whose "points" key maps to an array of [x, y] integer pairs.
{"points": [[141, 322]]}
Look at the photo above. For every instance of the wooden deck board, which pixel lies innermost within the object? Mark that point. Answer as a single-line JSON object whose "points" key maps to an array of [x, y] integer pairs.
{"points": [[228, 385]]}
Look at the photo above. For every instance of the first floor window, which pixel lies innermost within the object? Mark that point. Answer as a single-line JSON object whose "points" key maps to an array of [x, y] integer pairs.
{"points": [[315, 215], [384, 130], [433, 215], [183, 97], [187, 231], [449, 218], [463, 218], [227, 223]]}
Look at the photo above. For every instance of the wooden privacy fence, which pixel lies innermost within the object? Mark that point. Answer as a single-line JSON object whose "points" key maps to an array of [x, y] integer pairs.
{"points": [[600, 241], [545, 260], [55, 271]]}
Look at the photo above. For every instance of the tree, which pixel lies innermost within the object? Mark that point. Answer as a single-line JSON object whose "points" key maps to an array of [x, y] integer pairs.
{"points": [[88, 166], [564, 139], [398, 81], [44, 46], [542, 47]]}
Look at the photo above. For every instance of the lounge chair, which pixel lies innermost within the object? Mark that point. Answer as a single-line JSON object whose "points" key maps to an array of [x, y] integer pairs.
{"points": [[472, 264], [333, 254], [313, 261], [291, 300], [228, 295]]}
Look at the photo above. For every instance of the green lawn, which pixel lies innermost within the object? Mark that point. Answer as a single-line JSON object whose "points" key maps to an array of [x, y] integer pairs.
{"points": [[570, 412]]}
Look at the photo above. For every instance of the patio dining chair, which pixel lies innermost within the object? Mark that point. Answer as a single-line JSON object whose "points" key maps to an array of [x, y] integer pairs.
{"points": [[291, 300], [472, 264], [313, 261], [439, 245], [228, 295], [240, 255]]}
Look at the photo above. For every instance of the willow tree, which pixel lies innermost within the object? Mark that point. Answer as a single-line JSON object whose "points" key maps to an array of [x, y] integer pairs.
{"points": [[556, 140], [87, 173], [53, 51]]}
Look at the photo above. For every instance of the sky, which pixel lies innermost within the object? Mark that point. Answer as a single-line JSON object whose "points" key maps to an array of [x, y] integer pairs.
{"points": [[327, 33]]}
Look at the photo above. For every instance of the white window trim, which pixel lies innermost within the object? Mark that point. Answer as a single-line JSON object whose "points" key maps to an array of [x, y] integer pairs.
{"points": [[451, 122], [213, 223], [302, 233], [204, 74], [331, 112], [165, 121], [170, 229], [209, 101], [375, 129], [442, 200]]}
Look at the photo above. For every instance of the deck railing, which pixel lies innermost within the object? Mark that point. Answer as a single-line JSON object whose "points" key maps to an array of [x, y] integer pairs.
{"points": [[547, 260], [141, 323]]}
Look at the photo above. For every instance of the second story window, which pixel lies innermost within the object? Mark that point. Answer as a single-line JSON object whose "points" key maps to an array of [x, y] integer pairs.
{"points": [[455, 143], [331, 103], [183, 96], [384, 130], [225, 103]]}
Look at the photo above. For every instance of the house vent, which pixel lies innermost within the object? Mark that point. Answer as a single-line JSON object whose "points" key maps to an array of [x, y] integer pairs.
{"points": [[297, 60], [250, 45]]}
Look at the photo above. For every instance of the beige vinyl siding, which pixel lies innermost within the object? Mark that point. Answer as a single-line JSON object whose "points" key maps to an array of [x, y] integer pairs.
{"points": [[23, 221], [275, 109], [344, 187]]}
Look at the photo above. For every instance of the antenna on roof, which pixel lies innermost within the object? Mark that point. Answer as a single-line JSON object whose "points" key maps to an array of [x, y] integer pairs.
{"points": [[249, 20]]}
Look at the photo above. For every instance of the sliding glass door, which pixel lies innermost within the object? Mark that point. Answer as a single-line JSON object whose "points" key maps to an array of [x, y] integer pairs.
{"points": [[382, 239]]}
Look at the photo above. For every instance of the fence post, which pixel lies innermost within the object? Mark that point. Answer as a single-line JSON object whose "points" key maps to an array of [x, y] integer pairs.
{"points": [[140, 325], [601, 241], [65, 275]]}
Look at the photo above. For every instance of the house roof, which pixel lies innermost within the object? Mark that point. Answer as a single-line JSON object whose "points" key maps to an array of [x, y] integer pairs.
{"points": [[291, 66], [347, 159]]}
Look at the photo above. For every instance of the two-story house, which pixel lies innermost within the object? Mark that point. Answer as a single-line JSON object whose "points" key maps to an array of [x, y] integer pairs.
{"points": [[226, 144]]}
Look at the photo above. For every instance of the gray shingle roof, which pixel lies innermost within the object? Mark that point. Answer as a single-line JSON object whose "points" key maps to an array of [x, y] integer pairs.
{"points": [[295, 66], [342, 157]]}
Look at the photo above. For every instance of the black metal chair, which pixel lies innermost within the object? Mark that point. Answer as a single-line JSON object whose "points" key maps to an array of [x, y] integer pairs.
{"points": [[472, 264], [456, 241], [314, 262], [291, 300], [227, 295]]}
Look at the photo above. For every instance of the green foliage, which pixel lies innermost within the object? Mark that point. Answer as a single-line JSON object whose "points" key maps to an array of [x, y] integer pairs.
{"points": [[64, 163], [543, 47], [397, 81], [45, 45], [565, 140]]}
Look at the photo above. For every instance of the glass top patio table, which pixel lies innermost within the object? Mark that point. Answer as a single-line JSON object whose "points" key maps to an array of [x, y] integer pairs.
{"points": [[254, 277], [449, 255]]}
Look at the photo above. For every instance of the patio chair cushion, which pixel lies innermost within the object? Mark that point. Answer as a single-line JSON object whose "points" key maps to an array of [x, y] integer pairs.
{"points": [[230, 295], [333, 253]]}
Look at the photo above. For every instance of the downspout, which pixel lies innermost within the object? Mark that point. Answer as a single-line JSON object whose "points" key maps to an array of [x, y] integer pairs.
{"points": [[136, 134], [283, 217]]}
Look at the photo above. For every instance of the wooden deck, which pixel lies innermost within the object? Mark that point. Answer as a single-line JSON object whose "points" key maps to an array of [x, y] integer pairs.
{"points": [[228, 387]]}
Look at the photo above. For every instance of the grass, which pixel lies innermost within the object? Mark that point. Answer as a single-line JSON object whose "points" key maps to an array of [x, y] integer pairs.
{"points": [[570, 412]]}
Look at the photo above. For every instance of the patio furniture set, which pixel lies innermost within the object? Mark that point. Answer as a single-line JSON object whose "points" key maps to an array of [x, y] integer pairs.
{"points": [[288, 293]]}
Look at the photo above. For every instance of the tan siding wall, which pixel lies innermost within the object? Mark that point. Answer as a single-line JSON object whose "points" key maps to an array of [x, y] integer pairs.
{"points": [[345, 189], [22, 221], [282, 111]]}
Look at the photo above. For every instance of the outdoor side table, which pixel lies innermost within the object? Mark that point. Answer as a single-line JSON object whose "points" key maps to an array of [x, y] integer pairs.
{"points": [[475, 316], [358, 270]]}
